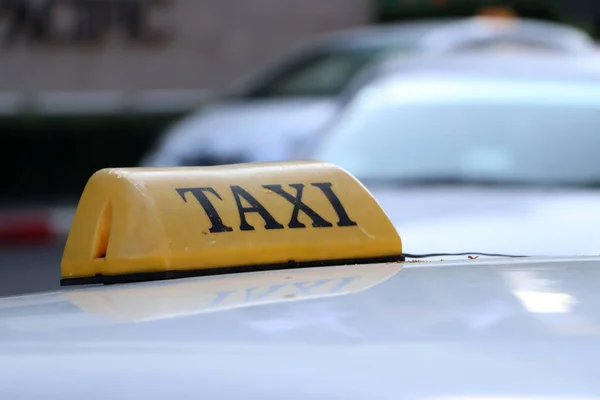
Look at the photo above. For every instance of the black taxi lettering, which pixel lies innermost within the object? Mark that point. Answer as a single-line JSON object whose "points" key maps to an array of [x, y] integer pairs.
{"points": [[209, 209], [343, 218], [247, 203], [255, 207], [318, 221]]}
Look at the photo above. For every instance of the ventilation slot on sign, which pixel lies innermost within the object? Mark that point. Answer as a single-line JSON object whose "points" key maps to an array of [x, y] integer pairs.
{"points": [[103, 234]]}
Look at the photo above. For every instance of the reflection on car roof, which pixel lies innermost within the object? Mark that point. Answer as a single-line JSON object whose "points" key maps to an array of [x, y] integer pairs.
{"points": [[455, 30], [533, 66]]}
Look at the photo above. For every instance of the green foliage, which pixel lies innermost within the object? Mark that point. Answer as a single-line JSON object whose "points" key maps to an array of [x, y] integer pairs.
{"points": [[46, 156]]}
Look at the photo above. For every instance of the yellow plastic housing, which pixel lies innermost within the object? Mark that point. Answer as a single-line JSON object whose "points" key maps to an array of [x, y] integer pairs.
{"points": [[156, 220]]}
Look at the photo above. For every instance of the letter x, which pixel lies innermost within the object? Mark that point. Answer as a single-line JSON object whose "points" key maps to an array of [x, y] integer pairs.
{"points": [[318, 221]]}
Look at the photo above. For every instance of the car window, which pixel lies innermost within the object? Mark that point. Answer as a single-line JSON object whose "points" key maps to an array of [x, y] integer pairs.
{"points": [[500, 132], [322, 73]]}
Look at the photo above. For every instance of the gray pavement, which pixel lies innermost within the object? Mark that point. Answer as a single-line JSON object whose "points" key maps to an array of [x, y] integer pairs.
{"points": [[30, 269]]}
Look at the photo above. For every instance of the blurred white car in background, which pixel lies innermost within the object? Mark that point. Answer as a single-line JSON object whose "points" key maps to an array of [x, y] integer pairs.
{"points": [[268, 115], [496, 154]]}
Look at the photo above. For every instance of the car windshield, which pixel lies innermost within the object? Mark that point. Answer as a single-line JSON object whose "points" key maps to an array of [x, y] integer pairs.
{"points": [[470, 130], [317, 73]]}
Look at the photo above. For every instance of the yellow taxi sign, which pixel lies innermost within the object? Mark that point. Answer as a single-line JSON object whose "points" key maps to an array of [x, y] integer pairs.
{"points": [[136, 224], [152, 301], [500, 12], [497, 17]]}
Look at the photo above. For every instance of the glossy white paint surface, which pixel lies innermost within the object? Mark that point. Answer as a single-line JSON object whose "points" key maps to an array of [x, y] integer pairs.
{"points": [[520, 221], [484, 329]]}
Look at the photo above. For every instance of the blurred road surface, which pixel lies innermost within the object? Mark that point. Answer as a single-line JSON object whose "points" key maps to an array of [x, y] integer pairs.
{"points": [[29, 269]]}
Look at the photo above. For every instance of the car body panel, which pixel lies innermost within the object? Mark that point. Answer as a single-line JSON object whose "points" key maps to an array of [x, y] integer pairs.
{"points": [[493, 328], [239, 131], [534, 67], [519, 221]]}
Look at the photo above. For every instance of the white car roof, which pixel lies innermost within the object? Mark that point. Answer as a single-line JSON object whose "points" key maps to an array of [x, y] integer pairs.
{"points": [[412, 88], [442, 34], [490, 328], [520, 66]]}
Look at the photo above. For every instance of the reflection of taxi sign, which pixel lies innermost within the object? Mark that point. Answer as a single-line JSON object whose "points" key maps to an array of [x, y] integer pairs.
{"points": [[136, 224], [178, 298]]}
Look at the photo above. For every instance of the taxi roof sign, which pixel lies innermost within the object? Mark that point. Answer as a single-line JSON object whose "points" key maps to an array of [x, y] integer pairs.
{"points": [[501, 12], [136, 224]]}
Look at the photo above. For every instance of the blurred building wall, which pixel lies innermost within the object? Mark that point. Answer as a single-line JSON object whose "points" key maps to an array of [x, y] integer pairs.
{"points": [[83, 45]]}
